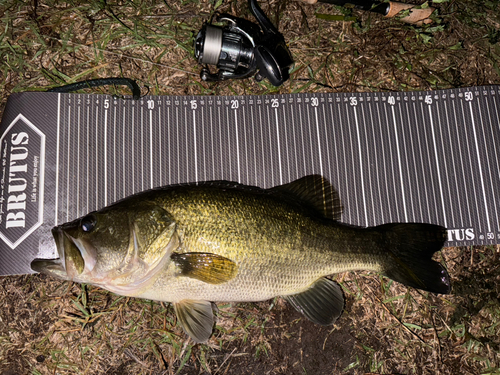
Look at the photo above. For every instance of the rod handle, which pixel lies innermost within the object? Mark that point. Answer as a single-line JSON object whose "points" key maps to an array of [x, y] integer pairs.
{"points": [[417, 16]]}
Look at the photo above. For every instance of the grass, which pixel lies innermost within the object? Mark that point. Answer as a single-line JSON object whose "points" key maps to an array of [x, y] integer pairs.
{"points": [[49, 327]]}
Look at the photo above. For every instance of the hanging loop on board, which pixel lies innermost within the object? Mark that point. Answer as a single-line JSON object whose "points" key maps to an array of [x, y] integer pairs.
{"points": [[130, 83]]}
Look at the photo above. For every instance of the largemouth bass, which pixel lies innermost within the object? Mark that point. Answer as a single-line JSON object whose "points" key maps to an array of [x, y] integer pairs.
{"points": [[222, 241]]}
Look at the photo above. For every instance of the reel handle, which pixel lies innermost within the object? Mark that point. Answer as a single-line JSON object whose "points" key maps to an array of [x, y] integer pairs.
{"points": [[266, 25]]}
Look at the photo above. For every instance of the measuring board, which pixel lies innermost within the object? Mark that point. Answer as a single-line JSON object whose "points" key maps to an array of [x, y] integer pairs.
{"points": [[394, 157]]}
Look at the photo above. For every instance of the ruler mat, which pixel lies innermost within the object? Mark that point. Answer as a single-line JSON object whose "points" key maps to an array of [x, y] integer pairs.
{"points": [[394, 157]]}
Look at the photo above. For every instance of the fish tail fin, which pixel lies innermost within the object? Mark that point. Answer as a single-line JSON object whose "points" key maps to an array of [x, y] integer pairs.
{"points": [[411, 247]]}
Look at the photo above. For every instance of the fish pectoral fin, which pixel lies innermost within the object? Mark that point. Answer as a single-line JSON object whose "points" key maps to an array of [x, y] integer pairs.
{"points": [[207, 267], [196, 317], [322, 303]]}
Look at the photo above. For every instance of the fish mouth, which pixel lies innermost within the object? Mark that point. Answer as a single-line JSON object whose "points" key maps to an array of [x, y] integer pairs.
{"points": [[53, 267], [71, 261]]}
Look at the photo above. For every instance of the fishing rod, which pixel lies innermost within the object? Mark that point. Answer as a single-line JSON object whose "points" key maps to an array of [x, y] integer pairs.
{"points": [[240, 48], [388, 9]]}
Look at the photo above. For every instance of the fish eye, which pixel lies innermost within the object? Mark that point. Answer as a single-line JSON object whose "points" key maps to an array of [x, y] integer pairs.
{"points": [[88, 223]]}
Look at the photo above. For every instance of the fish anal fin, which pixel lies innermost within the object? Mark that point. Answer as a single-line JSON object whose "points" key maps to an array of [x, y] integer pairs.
{"points": [[322, 303], [207, 267], [196, 317], [314, 190]]}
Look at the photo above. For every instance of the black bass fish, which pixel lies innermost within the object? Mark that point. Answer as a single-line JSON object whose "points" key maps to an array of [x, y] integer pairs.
{"points": [[222, 241]]}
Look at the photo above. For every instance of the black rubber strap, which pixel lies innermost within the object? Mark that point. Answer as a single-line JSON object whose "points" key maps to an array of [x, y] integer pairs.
{"points": [[130, 83]]}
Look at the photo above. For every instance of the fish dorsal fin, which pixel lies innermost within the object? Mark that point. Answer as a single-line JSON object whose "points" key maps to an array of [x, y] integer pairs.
{"points": [[322, 303], [196, 317], [207, 267], [316, 191]]}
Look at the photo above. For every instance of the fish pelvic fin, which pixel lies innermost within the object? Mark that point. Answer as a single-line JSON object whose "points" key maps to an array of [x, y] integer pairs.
{"points": [[409, 261], [322, 303], [196, 317]]}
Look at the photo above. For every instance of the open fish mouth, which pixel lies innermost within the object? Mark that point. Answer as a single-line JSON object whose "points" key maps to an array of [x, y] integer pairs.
{"points": [[71, 260]]}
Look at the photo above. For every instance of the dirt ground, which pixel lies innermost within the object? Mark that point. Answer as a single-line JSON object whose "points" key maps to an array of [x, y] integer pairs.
{"points": [[54, 327]]}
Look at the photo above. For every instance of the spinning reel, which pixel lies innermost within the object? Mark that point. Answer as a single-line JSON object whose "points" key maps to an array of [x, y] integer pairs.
{"points": [[242, 48]]}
